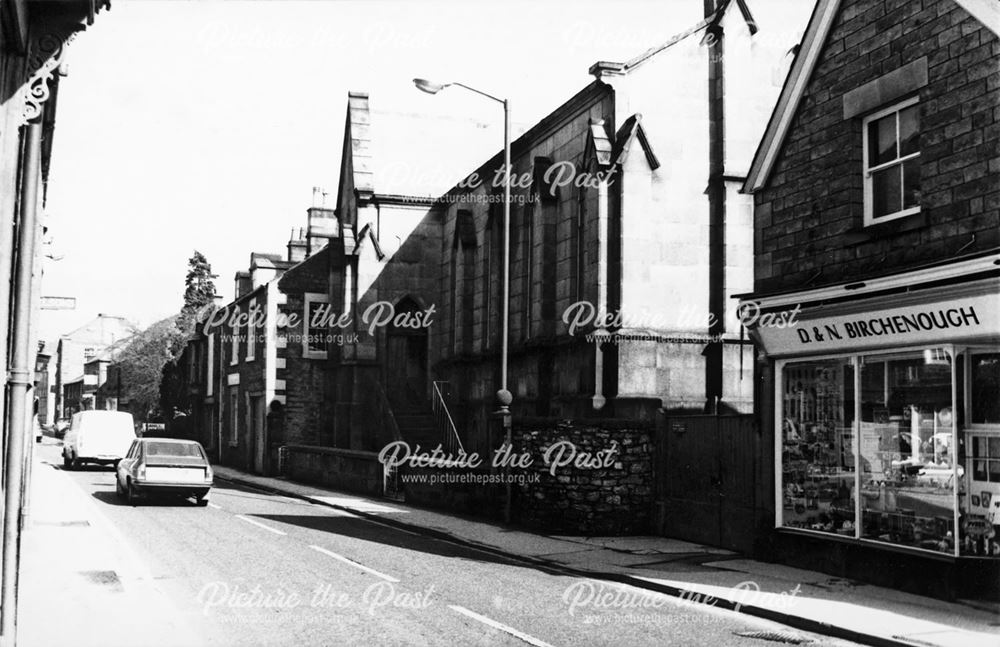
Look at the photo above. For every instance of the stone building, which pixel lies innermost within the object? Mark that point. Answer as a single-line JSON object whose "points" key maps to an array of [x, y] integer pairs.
{"points": [[75, 349], [877, 221]]}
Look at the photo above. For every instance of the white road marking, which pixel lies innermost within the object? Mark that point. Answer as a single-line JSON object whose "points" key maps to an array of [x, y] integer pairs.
{"points": [[212, 505], [387, 578], [260, 525], [531, 640]]}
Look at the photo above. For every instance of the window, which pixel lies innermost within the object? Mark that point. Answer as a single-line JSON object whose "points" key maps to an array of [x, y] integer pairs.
{"points": [[892, 162], [210, 367], [868, 448], [817, 446], [251, 331], [985, 389], [492, 251], [234, 417], [528, 256], [316, 326], [986, 459], [580, 244], [234, 331]]}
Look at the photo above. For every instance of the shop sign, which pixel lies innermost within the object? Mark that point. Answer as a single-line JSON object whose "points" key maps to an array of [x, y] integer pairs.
{"points": [[934, 322]]}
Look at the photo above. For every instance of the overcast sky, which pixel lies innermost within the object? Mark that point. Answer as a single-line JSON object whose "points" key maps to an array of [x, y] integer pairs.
{"points": [[205, 125]]}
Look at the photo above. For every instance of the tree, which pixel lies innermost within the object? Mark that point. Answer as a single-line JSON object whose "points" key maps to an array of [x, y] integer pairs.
{"points": [[199, 291], [138, 365]]}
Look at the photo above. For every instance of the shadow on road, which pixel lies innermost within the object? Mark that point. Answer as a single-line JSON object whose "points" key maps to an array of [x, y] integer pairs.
{"points": [[108, 497], [385, 535]]}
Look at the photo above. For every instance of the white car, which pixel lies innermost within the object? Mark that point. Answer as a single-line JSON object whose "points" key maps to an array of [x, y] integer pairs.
{"points": [[166, 466], [101, 437]]}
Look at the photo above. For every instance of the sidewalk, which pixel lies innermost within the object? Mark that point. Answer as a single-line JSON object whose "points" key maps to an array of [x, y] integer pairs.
{"points": [[80, 583], [803, 599]]}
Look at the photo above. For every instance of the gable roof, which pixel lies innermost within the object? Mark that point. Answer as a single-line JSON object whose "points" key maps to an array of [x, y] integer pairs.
{"points": [[409, 154], [823, 17]]}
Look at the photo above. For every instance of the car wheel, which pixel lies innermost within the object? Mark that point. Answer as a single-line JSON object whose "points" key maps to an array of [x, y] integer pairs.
{"points": [[74, 463], [118, 488], [67, 465], [131, 494], [201, 501]]}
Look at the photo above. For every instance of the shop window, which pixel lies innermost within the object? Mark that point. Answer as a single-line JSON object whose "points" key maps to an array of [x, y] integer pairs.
{"points": [[818, 466], [985, 389], [906, 450], [892, 162]]}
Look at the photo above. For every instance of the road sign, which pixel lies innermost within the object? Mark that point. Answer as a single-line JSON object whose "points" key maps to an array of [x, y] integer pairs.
{"points": [[58, 303]]}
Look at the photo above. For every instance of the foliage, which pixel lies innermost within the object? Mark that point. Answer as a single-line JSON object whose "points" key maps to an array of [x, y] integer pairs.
{"points": [[134, 373]]}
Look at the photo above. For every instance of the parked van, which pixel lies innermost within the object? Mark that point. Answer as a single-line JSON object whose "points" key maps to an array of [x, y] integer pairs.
{"points": [[101, 437]]}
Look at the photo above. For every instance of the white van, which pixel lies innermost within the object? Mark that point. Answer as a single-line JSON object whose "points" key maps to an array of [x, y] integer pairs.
{"points": [[101, 437]]}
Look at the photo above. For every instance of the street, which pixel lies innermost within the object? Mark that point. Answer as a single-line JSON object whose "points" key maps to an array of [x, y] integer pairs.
{"points": [[260, 569]]}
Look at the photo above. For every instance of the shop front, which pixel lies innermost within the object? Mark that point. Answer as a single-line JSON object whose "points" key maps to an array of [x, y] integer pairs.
{"points": [[886, 419]]}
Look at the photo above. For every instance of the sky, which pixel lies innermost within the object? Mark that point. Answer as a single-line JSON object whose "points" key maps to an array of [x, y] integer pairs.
{"points": [[204, 125]]}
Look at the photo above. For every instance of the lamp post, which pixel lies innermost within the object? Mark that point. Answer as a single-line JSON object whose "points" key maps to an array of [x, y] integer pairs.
{"points": [[504, 396]]}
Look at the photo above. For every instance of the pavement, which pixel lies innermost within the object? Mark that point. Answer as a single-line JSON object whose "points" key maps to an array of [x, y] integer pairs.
{"points": [[695, 574]]}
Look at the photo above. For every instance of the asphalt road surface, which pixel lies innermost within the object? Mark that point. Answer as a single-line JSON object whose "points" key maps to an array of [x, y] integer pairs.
{"points": [[261, 569]]}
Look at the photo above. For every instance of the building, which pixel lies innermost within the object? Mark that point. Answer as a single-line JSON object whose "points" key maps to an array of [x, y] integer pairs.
{"points": [[78, 348], [876, 194], [617, 209], [44, 402]]}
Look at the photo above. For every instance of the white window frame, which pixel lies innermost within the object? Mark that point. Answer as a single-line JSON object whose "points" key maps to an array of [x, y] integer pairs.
{"points": [[310, 298], [867, 171], [251, 335]]}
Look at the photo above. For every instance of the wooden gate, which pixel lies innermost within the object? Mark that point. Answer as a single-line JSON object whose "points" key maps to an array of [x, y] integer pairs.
{"points": [[707, 479]]}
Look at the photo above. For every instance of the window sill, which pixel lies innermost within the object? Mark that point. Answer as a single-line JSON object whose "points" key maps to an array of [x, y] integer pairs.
{"points": [[882, 230]]}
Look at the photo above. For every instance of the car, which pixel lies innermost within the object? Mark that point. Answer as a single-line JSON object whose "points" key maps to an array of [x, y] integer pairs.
{"points": [[37, 428], [101, 437], [164, 466]]}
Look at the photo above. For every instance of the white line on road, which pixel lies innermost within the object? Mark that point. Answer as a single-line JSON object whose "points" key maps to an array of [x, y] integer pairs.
{"points": [[212, 505], [387, 578], [259, 524], [531, 640]]}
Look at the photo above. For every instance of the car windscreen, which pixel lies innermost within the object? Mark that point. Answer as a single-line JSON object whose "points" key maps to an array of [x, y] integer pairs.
{"points": [[173, 449]]}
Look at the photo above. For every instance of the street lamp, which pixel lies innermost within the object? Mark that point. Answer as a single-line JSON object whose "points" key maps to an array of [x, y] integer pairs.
{"points": [[504, 396]]}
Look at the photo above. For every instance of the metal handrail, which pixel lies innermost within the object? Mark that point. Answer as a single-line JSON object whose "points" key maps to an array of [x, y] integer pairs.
{"points": [[450, 440]]}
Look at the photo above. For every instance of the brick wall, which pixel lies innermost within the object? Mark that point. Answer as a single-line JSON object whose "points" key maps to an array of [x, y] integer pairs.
{"points": [[307, 412], [809, 218]]}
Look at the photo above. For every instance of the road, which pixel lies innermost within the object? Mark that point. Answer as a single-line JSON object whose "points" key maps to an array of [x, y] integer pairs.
{"points": [[255, 568]]}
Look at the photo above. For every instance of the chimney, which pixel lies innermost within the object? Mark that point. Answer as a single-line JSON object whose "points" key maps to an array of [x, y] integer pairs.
{"points": [[323, 226], [243, 284], [298, 246]]}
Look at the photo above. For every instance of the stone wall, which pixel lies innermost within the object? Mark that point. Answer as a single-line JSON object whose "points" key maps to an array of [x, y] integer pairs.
{"points": [[612, 501], [343, 469]]}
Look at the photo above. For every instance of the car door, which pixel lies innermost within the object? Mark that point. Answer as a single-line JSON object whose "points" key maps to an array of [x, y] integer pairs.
{"points": [[125, 464], [69, 440]]}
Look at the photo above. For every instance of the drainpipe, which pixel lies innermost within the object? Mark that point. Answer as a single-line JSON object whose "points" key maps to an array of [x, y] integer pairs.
{"points": [[599, 400], [19, 380], [716, 213]]}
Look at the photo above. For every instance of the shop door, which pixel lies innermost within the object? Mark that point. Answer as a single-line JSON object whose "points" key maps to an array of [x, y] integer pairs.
{"points": [[706, 479]]}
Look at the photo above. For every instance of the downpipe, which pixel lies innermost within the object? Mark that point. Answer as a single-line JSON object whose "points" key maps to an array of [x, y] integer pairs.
{"points": [[20, 380]]}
